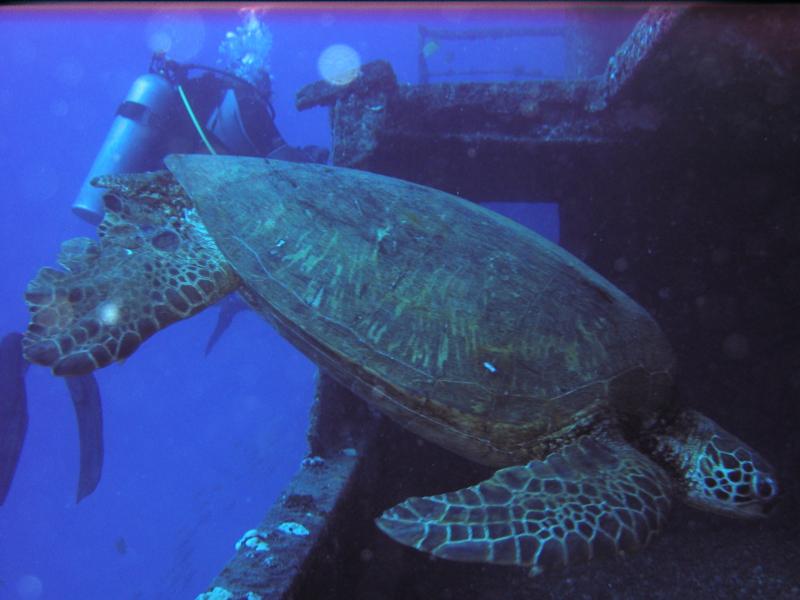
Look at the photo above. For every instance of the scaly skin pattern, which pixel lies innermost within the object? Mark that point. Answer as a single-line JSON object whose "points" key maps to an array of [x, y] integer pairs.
{"points": [[153, 265], [593, 498], [715, 470], [463, 327]]}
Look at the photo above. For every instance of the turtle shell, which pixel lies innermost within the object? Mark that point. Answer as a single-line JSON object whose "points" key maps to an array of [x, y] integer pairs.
{"points": [[460, 324]]}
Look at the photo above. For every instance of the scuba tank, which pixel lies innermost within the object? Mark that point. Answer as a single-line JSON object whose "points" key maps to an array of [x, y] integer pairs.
{"points": [[135, 141], [226, 115]]}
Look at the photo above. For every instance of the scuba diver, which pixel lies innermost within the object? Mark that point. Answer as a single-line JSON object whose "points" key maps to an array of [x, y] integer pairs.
{"points": [[173, 108], [170, 111]]}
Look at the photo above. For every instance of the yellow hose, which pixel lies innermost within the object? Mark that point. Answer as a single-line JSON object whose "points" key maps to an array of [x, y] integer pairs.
{"points": [[194, 120]]}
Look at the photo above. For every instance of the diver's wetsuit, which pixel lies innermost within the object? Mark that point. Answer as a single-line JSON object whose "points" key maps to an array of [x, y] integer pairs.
{"points": [[208, 92]]}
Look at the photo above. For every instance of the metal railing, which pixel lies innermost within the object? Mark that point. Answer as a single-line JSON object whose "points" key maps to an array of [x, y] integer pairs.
{"points": [[427, 36]]}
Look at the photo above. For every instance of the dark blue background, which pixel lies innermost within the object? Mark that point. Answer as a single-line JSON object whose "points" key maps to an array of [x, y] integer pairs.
{"points": [[196, 448]]}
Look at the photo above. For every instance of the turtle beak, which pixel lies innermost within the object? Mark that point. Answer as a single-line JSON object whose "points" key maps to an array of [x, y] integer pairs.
{"points": [[768, 508], [765, 492]]}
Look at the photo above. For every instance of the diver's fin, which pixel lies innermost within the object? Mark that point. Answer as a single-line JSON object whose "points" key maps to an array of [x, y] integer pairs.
{"points": [[88, 409], [13, 408], [589, 499], [229, 307]]}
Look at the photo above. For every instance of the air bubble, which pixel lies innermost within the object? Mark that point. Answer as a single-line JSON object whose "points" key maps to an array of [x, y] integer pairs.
{"points": [[339, 64], [180, 34], [108, 313]]}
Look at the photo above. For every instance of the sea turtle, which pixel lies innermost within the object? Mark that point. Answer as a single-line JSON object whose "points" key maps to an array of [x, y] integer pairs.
{"points": [[459, 324]]}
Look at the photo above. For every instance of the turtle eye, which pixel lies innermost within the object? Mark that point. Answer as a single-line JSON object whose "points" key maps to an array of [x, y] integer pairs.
{"points": [[764, 486]]}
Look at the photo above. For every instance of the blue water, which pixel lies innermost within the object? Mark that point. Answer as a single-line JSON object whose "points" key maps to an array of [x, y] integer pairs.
{"points": [[196, 448]]}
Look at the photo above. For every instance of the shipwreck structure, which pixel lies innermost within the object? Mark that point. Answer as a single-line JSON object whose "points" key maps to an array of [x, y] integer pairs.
{"points": [[675, 164]]}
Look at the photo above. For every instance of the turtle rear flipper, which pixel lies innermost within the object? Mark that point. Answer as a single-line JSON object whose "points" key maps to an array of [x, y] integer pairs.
{"points": [[589, 499], [154, 265]]}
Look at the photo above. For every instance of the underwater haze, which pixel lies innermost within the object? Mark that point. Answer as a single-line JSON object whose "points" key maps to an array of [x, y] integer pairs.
{"points": [[196, 447]]}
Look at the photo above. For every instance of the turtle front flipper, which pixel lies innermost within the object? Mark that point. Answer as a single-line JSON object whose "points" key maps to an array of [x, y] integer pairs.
{"points": [[589, 499], [154, 264]]}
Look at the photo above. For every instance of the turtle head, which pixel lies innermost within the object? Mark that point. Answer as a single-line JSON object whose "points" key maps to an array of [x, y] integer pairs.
{"points": [[153, 265], [718, 472]]}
